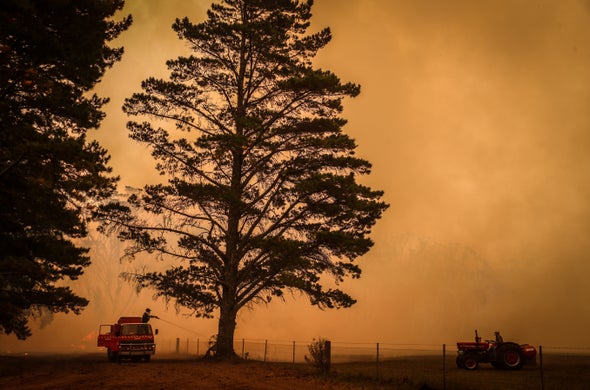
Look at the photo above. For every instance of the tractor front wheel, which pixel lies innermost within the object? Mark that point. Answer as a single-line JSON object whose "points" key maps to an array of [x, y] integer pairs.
{"points": [[459, 362], [468, 362]]}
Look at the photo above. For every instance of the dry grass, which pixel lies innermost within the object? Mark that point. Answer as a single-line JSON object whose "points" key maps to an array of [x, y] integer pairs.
{"points": [[571, 372], [567, 372]]}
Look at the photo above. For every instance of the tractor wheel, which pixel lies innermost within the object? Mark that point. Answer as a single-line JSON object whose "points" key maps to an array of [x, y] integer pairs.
{"points": [[147, 358], [460, 362], [509, 357], [470, 363]]}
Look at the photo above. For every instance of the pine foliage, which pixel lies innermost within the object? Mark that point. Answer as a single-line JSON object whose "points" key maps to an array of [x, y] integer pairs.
{"points": [[51, 54], [262, 193]]}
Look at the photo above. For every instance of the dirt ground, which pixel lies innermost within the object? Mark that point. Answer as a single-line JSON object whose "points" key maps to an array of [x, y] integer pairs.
{"points": [[93, 371]]}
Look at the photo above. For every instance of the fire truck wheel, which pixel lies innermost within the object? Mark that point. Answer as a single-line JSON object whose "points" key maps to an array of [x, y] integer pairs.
{"points": [[112, 355]]}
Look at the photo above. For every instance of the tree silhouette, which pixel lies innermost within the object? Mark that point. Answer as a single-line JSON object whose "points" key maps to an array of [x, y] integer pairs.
{"points": [[262, 195], [51, 54]]}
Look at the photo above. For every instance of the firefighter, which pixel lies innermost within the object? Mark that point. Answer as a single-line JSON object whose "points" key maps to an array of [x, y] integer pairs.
{"points": [[147, 315]]}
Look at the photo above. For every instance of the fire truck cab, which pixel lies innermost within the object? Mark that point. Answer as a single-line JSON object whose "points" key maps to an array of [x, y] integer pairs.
{"points": [[128, 338]]}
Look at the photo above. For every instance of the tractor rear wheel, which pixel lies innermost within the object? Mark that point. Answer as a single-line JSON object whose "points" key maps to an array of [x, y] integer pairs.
{"points": [[509, 357]]}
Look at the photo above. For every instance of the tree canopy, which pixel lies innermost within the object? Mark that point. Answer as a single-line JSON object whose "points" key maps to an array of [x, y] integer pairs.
{"points": [[261, 195], [52, 53]]}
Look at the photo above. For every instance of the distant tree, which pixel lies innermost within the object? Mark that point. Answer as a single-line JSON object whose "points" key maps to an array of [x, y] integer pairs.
{"points": [[262, 194], [51, 55]]}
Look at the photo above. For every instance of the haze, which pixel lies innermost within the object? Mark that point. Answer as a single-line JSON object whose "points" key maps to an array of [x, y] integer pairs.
{"points": [[475, 117]]}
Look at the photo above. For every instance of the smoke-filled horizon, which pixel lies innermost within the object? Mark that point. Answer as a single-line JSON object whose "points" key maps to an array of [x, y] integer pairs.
{"points": [[475, 118]]}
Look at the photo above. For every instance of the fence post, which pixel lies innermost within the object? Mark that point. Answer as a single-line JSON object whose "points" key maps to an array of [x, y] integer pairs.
{"points": [[187, 344], [265, 348], [178, 345], [541, 364], [378, 373], [293, 352], [444, 366], [328, 349], [197, 347], [242, 348]]}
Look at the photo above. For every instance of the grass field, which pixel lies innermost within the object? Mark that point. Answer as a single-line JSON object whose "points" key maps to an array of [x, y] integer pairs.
{"points": [[567, 372], [172, 371]]}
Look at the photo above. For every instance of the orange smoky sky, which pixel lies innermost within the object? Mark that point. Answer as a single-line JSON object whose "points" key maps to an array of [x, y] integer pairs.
{"points": [[475, 116]]}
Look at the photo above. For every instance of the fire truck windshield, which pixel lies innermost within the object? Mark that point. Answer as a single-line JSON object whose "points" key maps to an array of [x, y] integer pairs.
{"points": [[136, 329]]}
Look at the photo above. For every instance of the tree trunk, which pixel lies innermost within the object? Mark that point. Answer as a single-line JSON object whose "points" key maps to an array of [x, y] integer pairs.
{"points": [[228, 309], [225, 332]]}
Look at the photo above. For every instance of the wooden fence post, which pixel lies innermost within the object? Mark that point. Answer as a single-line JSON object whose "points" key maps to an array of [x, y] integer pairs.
{"points": [[444, 365], [378, 373], [293, 352], [328, 349], [541, 364], [197, 347], [265, 348], [178, 345]]}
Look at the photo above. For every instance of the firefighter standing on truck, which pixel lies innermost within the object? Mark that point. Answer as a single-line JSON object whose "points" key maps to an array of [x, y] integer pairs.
{"points": [[147, 315]]}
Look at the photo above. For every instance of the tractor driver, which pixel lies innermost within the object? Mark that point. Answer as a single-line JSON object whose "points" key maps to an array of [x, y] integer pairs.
{"points": [[147, 315], [499, 338]]}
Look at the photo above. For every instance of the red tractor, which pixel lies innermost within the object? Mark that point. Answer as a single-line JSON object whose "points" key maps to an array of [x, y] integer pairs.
{"points": [[128, 338], [502, 355]]}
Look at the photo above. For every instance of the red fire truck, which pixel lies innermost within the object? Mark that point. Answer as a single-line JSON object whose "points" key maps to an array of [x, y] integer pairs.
{"points": [[128, 338]]}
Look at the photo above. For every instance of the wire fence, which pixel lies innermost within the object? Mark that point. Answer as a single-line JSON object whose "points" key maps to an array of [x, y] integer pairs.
{"points": [[420, 365]]}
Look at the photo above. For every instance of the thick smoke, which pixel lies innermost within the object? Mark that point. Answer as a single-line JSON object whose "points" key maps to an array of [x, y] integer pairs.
{"points": [[475, 117]]}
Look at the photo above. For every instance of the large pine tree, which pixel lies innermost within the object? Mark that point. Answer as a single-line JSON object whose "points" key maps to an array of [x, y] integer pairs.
{"points": [[51, 54], [262, 193]]}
